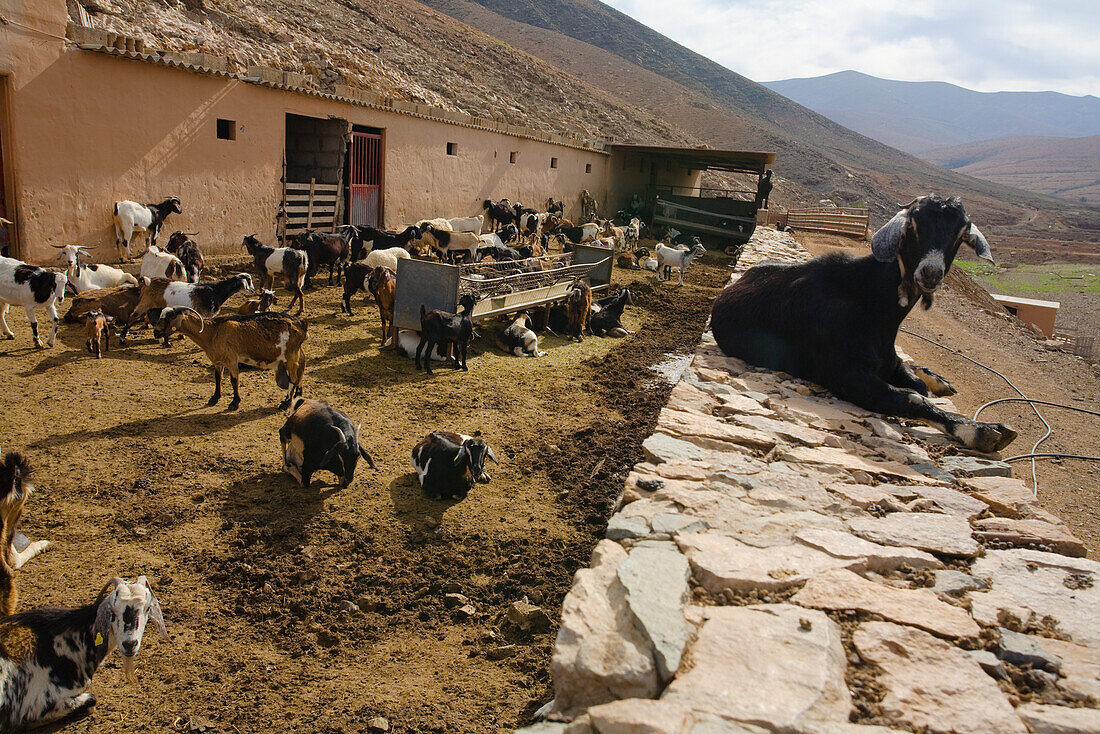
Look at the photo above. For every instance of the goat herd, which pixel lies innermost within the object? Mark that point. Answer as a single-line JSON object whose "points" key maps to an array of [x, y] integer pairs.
{"points": [[48, 656]]}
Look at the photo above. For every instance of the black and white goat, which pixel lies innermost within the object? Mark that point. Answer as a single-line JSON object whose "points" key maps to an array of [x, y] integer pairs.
{"points": [[453, 245], [156, 263], [85, 276], [49, 655], [131, 217], [286, 261], [205, 299], [607, 314], [518, 339], [673, 257], [835, 318], [30, 287], [366, 238], [318, 437], [499, 213], [187, 250], [448, 464], [440, 328]]}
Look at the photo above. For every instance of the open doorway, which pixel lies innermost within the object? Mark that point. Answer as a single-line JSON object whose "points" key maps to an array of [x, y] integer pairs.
{"points": [[365, 176], [313, 174], [8, 245]]}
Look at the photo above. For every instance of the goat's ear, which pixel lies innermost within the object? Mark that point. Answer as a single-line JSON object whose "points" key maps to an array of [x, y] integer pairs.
{"points": [[887, 241], [154, 607], [490, 455], [977, 240], [363, 453]]}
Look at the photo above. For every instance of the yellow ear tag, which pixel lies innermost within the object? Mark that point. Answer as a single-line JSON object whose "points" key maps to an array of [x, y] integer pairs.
{"points": [[98, 639]]}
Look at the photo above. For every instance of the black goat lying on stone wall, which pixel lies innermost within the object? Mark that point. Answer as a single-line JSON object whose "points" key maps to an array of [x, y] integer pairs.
{"points": [[834, 319]]}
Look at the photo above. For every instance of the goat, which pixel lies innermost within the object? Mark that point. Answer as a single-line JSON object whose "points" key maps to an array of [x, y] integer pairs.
{"points": [[323, 248], [382, 283], [30, 287], [499, 213], [442, 328], [355, 280], [451, 243], [263, 340], [834, 319], [407, 342], [499, 253], [606, 319], [187, 250], [670, 257], [633, 261], [386, 258], [15, 489], [554, 207], [616, 234], [89, 276], [97, 328], [448, 464], [49, 655], [466, 224], [131, 217], [438, 222], [270, 261], [518, 339], [530, 223], [633, 232], [262, 304], [578, 235], [578, 305], [381, 240], [318, 437], [118, 303], [157, 264], [205, 299]]}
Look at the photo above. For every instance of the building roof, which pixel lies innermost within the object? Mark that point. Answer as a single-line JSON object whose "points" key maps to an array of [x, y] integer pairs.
{"points": [[734, 161], [1017, 301]]}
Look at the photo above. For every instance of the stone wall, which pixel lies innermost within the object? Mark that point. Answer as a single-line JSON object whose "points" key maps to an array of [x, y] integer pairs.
{"points": [[786, 562]]}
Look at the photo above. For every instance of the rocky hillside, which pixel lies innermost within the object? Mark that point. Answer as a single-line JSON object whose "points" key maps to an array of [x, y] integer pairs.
{"points": [[567, 65]]}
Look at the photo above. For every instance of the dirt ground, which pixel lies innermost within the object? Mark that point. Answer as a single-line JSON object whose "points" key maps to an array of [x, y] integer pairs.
{"points": [[959, 319], [136, 475]]}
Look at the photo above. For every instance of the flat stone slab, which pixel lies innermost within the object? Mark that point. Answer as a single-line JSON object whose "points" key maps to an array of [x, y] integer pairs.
{"points": [[927, 531], [975, 466], [741, 404], [932, 685], [869, 556], [1020, 649], [852, 462], [1028, 533], [710, 432], [662, 447], [1060, 719], [599, 654], [776, 665], [954, 502], [788, 432], [656, 583], [860, 495], [957, 583], [1006, 497], [1080, 666], [641, 716], [1031, 585], [842, 589]]}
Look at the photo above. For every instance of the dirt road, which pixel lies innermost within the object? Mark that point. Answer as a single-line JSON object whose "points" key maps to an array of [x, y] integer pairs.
{"points": [[136, 475]]}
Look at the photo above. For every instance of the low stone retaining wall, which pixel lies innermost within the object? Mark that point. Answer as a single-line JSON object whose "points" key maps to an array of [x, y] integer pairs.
{"points": [[787, 562]]}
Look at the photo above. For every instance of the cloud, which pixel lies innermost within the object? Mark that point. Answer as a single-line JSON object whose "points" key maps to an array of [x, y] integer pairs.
{"points": [[1008, 45]]}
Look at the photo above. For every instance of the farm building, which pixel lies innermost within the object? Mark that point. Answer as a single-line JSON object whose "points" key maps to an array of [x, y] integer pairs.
{"points": [[88, 118]]}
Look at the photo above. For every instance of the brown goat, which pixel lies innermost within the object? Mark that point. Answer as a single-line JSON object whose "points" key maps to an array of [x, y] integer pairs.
{"points": [[15, 488], [382, 283], [264, 340], [577, 306], [118, 302], [97, 327], [262, 304]]}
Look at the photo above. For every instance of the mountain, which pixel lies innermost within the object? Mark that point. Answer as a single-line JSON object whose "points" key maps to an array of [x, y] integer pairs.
{"points": [[920, 116], [574, 65], [1066, 167]]}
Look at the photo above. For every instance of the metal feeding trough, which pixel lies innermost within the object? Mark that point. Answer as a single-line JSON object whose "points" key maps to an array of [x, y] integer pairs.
{"points": [[500, 287]]}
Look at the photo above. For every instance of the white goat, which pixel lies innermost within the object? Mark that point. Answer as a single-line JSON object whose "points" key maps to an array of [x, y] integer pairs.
{"points": [[158, 264], [85, 277], [386, 258], [438, 223], [466, 224], [30, 287], [131, 217], [671, 257]]}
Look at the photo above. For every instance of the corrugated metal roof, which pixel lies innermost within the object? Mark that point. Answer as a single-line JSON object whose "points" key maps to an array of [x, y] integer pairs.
{"points": [[410, 109]]}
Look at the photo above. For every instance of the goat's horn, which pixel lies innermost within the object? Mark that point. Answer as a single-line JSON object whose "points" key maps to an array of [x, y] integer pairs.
{"points": [[61, 247]]}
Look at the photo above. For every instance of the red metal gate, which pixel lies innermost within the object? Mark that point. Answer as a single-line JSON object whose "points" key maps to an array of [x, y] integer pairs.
{"points": [[365, 179]]}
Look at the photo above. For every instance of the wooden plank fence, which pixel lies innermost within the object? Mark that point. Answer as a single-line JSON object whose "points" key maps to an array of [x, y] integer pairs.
{"points": [[852, 222], [309, 205]]}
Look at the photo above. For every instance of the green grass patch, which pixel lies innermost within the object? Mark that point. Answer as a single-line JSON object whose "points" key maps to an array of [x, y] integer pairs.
{"points": [[1024, 280]]}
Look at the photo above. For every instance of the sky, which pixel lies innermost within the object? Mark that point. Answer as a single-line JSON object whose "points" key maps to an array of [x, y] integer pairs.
{"points": [[989, 46]]}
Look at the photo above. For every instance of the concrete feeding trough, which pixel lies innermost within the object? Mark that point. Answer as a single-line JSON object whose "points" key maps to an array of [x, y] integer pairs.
{"points": [[500, 287]]}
